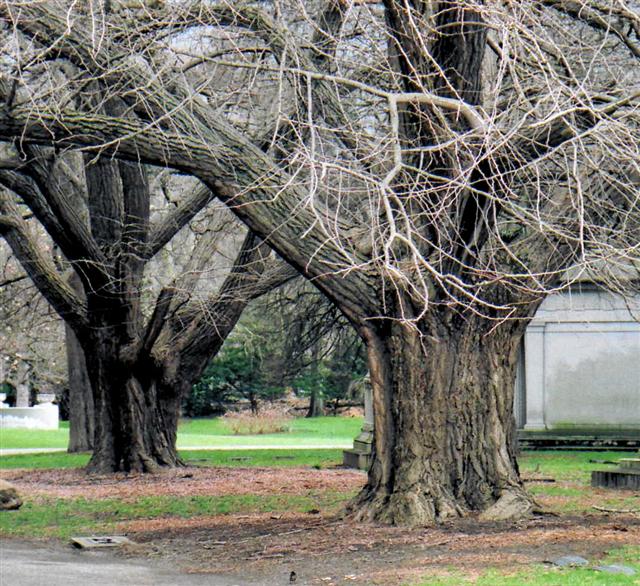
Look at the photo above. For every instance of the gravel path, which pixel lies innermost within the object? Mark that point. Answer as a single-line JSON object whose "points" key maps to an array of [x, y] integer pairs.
{"points": [[29, 564]]}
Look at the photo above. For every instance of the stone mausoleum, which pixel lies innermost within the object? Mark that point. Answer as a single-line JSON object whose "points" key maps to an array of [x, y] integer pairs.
{"points": [[579, 371]]}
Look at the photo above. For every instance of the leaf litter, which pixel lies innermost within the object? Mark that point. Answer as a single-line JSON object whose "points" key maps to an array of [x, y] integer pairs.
{"points": [[324, 548]]}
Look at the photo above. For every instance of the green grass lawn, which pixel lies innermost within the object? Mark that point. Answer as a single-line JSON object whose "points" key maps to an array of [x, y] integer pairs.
{"points": [[227, 458], [326, 431], [572, 492], [263, 458], [34, 438], [570, 465], [63, 518]]}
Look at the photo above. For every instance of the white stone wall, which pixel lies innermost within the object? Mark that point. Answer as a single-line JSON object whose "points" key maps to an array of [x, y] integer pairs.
{"points": [[39, 417], [582, 363]]}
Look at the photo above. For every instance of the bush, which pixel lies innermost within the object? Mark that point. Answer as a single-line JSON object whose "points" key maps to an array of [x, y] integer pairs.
{"points": [[267, 420], [235, 374]]}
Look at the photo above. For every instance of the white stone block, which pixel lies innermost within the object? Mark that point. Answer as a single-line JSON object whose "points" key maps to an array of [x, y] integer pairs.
{"points": [[38, 417]]}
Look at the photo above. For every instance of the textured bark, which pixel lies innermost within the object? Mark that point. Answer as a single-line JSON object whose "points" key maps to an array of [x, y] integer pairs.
{"points": [[81, 415], [135, 425], [138, 387], [444, 428]]}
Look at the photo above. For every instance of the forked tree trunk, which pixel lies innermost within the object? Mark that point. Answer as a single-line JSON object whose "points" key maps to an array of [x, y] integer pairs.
{"points": [[444, 428]]}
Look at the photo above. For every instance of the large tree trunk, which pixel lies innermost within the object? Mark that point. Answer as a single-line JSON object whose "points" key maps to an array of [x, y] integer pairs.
{"points": [[444, 428], [81, 428], [135, 417], [81, 416], [136, 432]]}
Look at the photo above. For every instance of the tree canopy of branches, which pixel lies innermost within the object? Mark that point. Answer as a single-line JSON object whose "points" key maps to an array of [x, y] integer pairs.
{"points": [[436, 168]]}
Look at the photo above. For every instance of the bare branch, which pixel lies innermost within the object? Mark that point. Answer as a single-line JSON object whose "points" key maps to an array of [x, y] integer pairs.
{"points": [[39, 267], [188, 207]]}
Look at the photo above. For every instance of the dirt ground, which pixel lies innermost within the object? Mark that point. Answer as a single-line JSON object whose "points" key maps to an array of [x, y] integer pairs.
{"points": [[319, 546]]}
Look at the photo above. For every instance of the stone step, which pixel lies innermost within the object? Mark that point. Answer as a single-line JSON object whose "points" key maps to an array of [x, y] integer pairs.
{"points": [[630, 464], [363, 447], [355, 459], [620, 479]]}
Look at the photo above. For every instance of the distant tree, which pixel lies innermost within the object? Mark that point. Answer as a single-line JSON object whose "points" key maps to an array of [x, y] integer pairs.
{"points": [[142, 354], [290, 338], [234, 374], [31, 352], [307, 344]]}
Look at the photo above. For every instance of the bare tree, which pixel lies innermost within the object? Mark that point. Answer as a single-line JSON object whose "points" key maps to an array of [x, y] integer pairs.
{"points": [[435, 168], [138, 363]]}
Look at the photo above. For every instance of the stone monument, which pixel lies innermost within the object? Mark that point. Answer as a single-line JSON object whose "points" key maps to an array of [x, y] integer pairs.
{"points": [[360, 455], [45, 415]]}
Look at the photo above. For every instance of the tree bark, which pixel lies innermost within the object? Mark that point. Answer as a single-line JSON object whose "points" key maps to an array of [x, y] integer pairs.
{"points": [[444, 429], [81, 423], [135, 421], [316, 407], [81, 428]]}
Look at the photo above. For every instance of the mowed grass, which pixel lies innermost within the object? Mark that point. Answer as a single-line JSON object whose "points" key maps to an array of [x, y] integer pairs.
{"points": [[263, 458], [570, 465], [545, 575], [63, 518], [325, 431], [34, 438], [44, 460], [571, 492], [227, 458], [211, 432]]}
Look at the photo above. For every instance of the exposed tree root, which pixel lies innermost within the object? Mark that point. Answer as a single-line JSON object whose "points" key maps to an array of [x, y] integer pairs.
{"points": [[141, 464], [413, 509], [607, 510], [410, 509], [513, 504]]}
